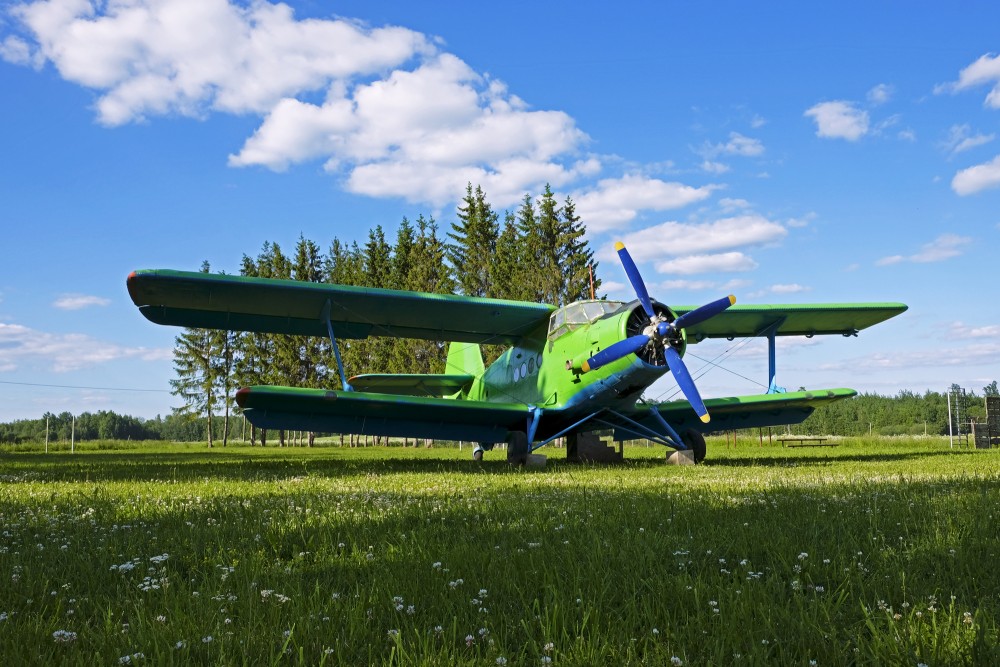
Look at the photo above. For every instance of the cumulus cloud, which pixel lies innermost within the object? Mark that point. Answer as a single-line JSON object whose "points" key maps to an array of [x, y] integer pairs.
{"points": [[64, 352], [978, 178], [943, 247], [727, 262], [839, 120], [679, 238], [616, 201], [79, 301], [984, 71], [384, 108]]}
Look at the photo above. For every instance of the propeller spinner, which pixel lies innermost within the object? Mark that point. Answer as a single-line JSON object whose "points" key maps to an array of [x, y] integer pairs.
{"points": [[660, 333]]}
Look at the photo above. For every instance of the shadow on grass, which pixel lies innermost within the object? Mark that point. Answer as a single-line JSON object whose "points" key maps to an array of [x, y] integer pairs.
{"points": [[275, 464]]}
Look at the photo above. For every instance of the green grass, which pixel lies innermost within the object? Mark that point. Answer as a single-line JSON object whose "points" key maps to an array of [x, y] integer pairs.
{"points": [[868, 553]]}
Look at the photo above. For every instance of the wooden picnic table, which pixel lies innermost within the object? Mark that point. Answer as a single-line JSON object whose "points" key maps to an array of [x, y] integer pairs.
{"points": [[805, 441]]}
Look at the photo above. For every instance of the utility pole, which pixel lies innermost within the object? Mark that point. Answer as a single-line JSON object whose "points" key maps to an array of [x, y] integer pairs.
{"points": [[72, 436], [951, 436], [46, 434]]}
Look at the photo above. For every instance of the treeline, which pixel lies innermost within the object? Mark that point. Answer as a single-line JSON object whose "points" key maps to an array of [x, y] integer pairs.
{"points": [[537, 253], [907, 413], [102, 425]]}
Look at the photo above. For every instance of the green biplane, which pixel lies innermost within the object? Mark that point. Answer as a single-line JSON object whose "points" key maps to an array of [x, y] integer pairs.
{"points": [[568, 371]]}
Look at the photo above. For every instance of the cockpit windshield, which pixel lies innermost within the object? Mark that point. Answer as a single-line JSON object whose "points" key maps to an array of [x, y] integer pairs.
{"points": [[577, 314]]}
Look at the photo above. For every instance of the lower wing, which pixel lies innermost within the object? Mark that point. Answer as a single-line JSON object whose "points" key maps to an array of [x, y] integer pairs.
{"points": [[733, 413], [364, 413]]}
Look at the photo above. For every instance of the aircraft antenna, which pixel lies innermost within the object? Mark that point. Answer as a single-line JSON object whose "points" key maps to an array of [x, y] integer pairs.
{"points": [[591, 267]]}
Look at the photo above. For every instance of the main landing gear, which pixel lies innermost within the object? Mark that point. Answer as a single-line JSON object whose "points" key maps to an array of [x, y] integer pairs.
{"points": [[696, 443]]}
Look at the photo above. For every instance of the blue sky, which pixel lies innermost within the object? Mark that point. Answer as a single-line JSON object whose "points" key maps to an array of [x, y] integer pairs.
{"points": [[786, 153]]}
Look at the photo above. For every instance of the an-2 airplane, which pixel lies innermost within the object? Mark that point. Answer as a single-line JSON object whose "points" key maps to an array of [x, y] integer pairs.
{"points": [[569, 371]]}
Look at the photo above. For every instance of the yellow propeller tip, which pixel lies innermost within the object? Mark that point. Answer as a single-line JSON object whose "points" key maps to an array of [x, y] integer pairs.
{"points": [[619, 246], [705, 418], [732, 299], [585, 367]]}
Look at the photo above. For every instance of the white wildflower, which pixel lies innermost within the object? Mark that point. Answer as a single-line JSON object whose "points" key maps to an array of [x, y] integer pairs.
{"points": [[64, 636]]}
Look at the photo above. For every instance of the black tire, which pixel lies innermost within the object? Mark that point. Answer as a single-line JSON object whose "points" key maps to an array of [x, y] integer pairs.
{"points": [[696, 442], [517, 448], [477, 454]]}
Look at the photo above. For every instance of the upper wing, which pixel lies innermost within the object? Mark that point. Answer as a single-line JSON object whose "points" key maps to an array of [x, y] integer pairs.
{"points": [[328, 411], [734, 413], [237, 303], [791, 320]]}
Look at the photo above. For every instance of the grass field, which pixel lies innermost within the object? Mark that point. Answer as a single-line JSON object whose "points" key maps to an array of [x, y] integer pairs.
{"points": [[868, 553]]}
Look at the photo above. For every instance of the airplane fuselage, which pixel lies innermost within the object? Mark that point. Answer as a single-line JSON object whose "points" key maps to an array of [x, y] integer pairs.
{"points": [[546, 369]]}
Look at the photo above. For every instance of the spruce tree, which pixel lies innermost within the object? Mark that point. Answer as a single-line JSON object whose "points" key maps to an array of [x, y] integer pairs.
{"points": [[576, 258], [194, 364], [474, 239]]}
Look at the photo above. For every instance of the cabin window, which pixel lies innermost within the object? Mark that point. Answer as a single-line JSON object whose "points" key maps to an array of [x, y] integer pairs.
{"points": [[578, 314]]}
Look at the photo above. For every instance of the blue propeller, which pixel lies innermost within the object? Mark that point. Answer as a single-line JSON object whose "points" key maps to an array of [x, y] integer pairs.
{"points": [[660, 332]]}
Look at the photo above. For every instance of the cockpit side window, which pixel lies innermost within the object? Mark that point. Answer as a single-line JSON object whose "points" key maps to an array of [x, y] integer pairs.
{"points": [[576, 315]]}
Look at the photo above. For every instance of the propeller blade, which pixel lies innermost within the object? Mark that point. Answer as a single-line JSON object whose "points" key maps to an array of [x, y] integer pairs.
{"points": [[615, 352], [633, 277], [685, 382], [704, 312]]}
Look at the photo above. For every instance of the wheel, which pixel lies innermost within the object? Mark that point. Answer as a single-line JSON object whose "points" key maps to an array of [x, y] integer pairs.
{"points": [[696, 441], [517, 448], [477, 453]]}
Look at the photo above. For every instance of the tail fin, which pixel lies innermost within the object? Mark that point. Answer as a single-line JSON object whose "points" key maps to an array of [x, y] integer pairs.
{"points": [[464, 358]]}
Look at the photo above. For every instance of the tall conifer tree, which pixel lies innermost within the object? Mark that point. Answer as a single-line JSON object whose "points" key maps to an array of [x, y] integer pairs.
{"points": [[194, 364]]}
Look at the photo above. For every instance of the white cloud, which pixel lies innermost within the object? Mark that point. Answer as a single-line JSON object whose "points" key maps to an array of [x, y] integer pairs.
{"points": [[616, 201], [678, 238], [712, 167], [880, 94], [727, 262], [985, 71], [943, 247], [960, 139], [975, 179], [959, 330], [79, 301], [789, 288], [839, 120], [702, 285], [17, 51], [976, 355], [732, 204], [737, 145], [398, 117], [64, 352], [188, 56]]}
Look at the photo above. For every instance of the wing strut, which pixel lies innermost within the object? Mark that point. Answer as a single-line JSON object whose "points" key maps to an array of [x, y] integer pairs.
{"points": [[772, 364], [325, 318]]}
